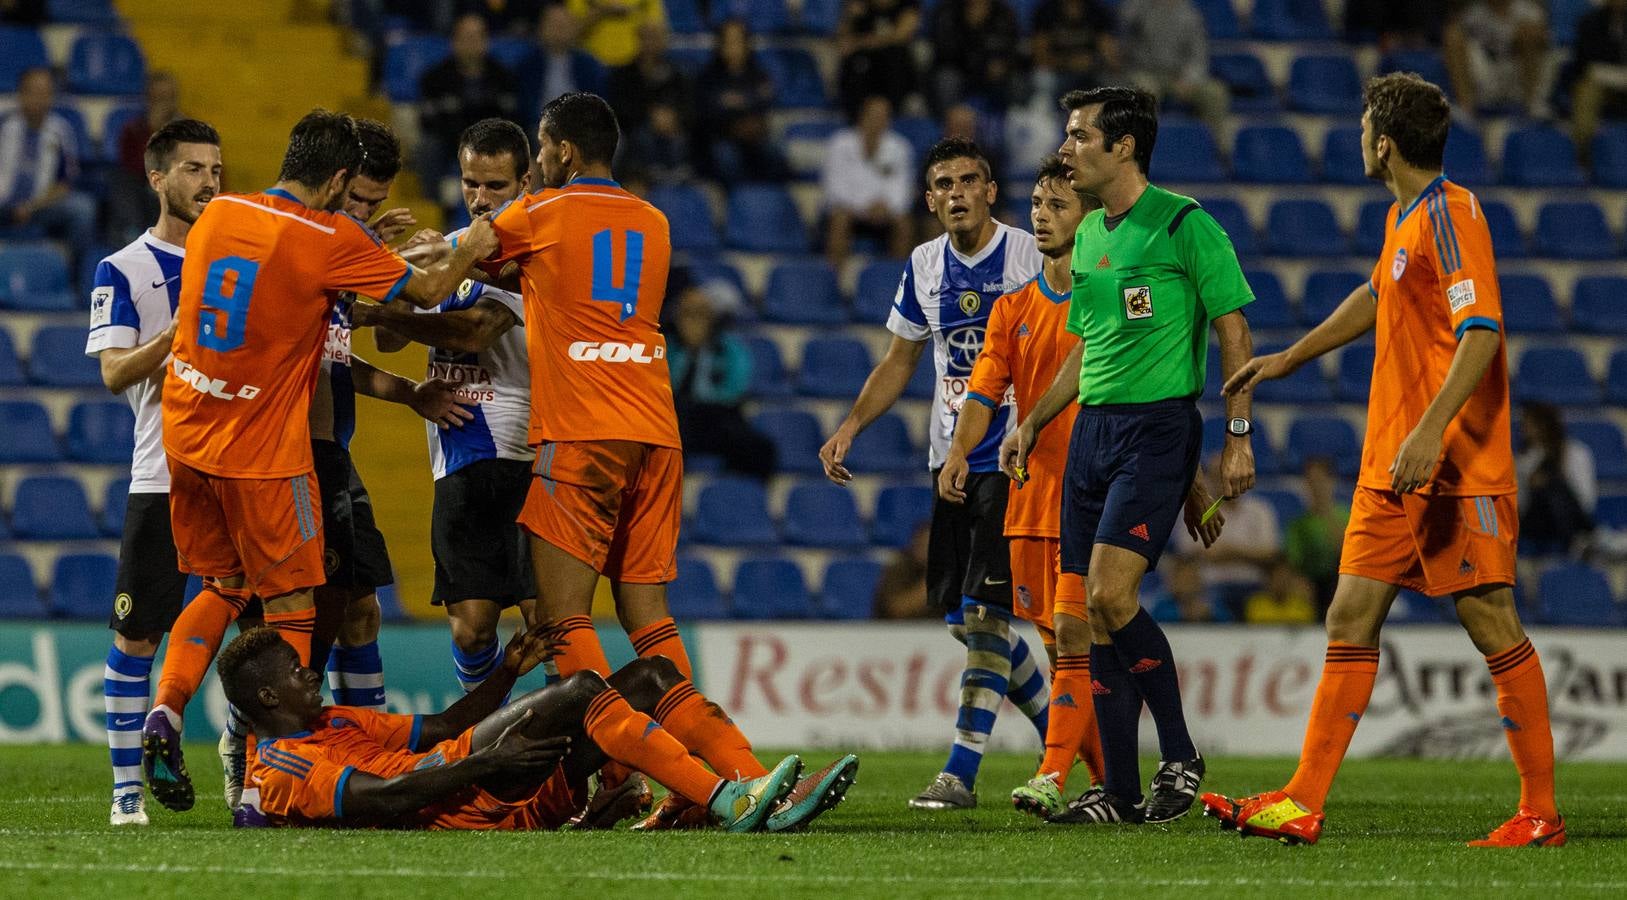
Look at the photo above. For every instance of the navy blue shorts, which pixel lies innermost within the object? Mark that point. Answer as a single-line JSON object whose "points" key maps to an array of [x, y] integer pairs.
{"points": [[1130, 467]]}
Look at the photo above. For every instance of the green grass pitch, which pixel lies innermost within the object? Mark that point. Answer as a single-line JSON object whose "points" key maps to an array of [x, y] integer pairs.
{"points": [[1396, 829]]}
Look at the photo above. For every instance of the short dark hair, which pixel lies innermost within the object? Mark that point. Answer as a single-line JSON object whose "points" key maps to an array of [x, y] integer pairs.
{"points": [[244, 666], [1053, 169], [321, 145], [382, 150], [495, 137], [1126, 112], [585, 120], [1412, 113], [956, 148], [161, 146]]}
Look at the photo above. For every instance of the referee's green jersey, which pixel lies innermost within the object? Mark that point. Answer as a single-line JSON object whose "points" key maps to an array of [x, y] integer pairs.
{"points": [[1143, 295]]}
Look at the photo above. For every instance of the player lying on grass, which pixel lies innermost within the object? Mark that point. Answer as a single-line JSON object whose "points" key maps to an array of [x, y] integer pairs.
{"points": [[478, 765]]}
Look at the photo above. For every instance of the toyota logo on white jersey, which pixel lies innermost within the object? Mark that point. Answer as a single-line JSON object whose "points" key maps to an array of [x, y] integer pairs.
{"points": [[964, 344]]}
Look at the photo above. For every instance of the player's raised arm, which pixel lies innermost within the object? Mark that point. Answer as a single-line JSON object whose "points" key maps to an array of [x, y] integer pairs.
{"points": [[471, 330], [526, 650], [426, 288], [1353, 318], [434, 399], [881, 390]]}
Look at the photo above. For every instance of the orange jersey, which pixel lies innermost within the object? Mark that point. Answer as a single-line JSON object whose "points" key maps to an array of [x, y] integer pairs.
{"points": [[301, 777], [1026, 342], [1435, 280], [593, 264], [257, 292]]}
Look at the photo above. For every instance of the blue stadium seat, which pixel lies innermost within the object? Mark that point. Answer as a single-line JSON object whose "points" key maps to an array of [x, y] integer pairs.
{"points": [[1425, 63], [1599, 304], [1605, 440], [51, 508], [1615, 379], [804, 292], [405, 61], [1329, 436], [1563, 16], [704, 270], [1610, 157], [848, 590], [1370, 224], [796, 436], [1290, 20], [693, 595], [82, 585], [88, 151], [25, 433], [1577, 594], [1186, 152], [1303, 228], [1234, 220], [1326, 85], [900, 509], [733, 512], [101, 431], [21, 49], [1611, 513], [1220, 19], [106, 62], [1507, 240], [512, 52], [11, 368], [761, 16], [57, 358], [1270, 154], [1266, 458], [113, 128], [1355, 373], [1341, 157], [877, 288], [1540, 156], [920, 131], [883, 449], [1556, 375], [797, 81], [1325, 289], [1528, 305], [1574, 230], [771, 588], [768, 376], [1246, 78], [35, 277], [82, 12], [833, 367], [820, 17], [1465, 159], [1270, 308], [821, 514], [762, 218], [690, 216], [19, 597], [113, 506], [1308, 384], [684, 17], [1287, 505]]}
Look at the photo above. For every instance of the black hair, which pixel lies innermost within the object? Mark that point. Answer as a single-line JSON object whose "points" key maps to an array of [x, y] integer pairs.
{"points": [[956, 148], [495, 137], [1052, 169], [585, 120], [321, 145], [1126, 113], [381, 160], [1412, 113], [245, 666], [161, 146]]}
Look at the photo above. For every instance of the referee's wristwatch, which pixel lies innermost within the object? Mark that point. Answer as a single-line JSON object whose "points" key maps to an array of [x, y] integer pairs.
{"points": [[1238, 426]]}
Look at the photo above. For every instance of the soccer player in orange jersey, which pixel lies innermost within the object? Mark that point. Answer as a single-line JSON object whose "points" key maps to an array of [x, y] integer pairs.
{"points": [[257, 291], [1434, 505], [1026, 342], [608, 489], [477, 765]]}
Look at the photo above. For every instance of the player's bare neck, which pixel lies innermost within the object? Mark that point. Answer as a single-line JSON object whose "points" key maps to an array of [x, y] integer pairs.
{"points": [[171, 230], [1121, 193], [971, 243], [594, 170], [1058, 271], [1407, 182]]}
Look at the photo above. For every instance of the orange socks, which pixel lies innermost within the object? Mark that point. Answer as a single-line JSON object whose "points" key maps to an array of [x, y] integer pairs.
{"points": [[1522, 700], [631, 738], [193, 640], [661, 638], [1341, 698], [582, 648], [1072, 727], [296, 627], [703, 727]]}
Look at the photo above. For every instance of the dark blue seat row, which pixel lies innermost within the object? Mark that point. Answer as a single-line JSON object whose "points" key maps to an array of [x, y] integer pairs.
{"points": [[734, 512], [99, 431], [772, 587], [55, 508]]}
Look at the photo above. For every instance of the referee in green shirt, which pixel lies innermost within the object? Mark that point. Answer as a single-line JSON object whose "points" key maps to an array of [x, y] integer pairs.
{"points": [[1151, 272]]}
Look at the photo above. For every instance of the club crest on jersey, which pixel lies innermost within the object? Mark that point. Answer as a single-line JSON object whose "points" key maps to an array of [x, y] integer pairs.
{"points": [[1399, 264], [1138, 302], [970, 302], [466, 288]]}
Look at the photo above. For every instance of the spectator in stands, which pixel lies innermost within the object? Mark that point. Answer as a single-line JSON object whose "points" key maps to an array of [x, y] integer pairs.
{"points": [[1600, 66], [649, 81], [1497, 54], [736, 97], [39, 162], [131, 204], [509, 17], [558, 65], [1285, 599], [660, 147], [1074, 47], [1184, 597], [1314, 539], [1395, 24], [977, 54], [1251, 543], [868, 184], [466, 87], [1558, 488], [611, 28], [1165, 45], [874, 42], [711, 373], [901, 590]]}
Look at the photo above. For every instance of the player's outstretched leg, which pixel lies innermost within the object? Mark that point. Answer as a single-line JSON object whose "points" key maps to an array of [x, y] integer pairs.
{"points": [[982, 689]]}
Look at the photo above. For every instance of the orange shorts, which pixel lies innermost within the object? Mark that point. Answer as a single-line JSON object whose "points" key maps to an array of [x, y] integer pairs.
{"points": [[553, 803], [1042, 589], [1436, 545], [614, 505], [267, 530]]}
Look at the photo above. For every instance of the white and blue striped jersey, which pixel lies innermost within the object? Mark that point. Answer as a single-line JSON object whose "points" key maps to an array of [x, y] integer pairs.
{"points": [[133, 301], [495, 382], [948, 297], [336, 367]]}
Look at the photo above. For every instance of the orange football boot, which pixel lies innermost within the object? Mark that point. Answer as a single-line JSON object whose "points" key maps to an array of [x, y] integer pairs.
{"points": [[1272, 814], [1526, 829]]}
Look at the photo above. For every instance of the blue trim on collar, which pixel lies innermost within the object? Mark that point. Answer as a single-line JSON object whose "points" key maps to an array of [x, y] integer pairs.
{"points": [[607, 182], [1422, 195], [1045, 288], [279, 192]]}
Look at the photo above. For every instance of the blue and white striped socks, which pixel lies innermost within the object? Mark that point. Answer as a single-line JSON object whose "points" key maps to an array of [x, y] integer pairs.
{"points": [[982, 690], [356, 676], [1027, 686], [124, 689], [474, 668]]}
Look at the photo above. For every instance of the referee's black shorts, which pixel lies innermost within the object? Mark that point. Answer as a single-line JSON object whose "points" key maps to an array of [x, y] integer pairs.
{"points": [[150, 586], [354, 553], [967, 553], [481, 552], [1130, 466]]}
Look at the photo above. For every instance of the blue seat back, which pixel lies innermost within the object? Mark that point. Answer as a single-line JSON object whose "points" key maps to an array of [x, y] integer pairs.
{"points": [[804, 292], [733, 512], [848, 590], [771, 588], [82, 585], [821, 514]]}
